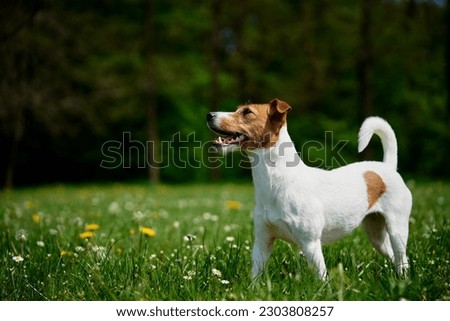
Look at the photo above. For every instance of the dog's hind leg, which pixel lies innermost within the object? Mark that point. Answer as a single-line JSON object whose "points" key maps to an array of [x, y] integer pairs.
{"points": [[375, 228], [398, 235], [388, 233]]}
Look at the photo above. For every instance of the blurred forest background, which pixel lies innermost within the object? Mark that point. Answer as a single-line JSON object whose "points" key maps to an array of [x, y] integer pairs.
{"points": [[75, 74]]}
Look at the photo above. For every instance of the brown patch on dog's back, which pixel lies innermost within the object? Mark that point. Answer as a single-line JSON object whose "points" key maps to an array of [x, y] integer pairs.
{"points": [[375, 187]]}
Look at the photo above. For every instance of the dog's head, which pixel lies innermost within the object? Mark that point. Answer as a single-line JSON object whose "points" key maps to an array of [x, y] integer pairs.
{"points": [[249, 127]]}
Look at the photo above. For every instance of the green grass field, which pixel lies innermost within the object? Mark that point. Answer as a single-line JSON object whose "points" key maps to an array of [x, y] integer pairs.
{"points": [[193, 242]]}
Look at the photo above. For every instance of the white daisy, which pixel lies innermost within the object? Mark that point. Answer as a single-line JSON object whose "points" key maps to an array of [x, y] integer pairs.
{"points": [[18, 258], [216, 272]]}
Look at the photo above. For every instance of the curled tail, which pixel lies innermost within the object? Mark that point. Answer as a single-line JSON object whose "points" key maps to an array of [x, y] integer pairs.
{"points": [[377, 125]]}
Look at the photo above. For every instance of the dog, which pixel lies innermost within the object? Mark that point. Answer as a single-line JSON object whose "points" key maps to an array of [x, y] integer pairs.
{"points": [[308, 206]]}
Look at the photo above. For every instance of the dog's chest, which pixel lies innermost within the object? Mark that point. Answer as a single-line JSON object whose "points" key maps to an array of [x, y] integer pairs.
{"points": [[274, 212], [276, 196]]}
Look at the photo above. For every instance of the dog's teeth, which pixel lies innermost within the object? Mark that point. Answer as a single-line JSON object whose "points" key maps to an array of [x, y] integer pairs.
{"points": [[231, 139], [239, 138]]}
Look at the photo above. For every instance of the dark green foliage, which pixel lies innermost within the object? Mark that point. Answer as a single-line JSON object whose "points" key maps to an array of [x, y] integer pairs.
{"points": [[75, 74]]}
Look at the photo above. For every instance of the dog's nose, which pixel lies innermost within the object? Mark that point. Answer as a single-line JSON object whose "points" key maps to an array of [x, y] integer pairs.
{"points": [[210, 116]]}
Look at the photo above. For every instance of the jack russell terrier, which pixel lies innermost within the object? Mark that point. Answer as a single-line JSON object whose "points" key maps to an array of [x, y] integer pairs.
{"points": [[309, 206]]}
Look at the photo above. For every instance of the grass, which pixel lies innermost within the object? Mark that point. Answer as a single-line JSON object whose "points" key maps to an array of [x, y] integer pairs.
{"points": [[196, 245]]}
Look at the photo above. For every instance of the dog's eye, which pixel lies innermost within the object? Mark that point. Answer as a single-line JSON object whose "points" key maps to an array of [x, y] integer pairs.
{"points": [[247, 111]]}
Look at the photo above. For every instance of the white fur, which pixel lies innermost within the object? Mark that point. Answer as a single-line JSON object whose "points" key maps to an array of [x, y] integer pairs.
{"points": [[377, 125], [310, 207]]}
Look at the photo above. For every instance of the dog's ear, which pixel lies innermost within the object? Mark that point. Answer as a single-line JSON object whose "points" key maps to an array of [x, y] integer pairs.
{"points": [[278, 106]]}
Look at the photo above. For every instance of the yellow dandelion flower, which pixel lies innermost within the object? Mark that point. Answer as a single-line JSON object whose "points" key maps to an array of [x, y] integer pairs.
{"points": [[36, 218], [92, 227], [87, 235], [233, 205], [148, 231], [64, 253]]}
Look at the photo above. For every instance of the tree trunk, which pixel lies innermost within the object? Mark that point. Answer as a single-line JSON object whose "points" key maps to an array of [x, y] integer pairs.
{"points": [[16, 138], [411, 8], [364, 66], [447, 73], [153, 152], [240, 64], [447, 56], [16, 16], [215, 87], [314, 85], [365, 60]]}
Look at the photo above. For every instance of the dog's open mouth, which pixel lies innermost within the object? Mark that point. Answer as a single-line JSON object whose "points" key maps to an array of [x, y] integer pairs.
{"points": [[226, 138]]}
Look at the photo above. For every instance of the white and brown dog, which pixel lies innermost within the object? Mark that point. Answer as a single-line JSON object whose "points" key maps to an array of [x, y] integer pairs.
{"points": [[310, 206]]}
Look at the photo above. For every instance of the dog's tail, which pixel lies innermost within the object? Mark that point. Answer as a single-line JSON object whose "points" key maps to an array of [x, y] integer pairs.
{"points": [[377, 125]]}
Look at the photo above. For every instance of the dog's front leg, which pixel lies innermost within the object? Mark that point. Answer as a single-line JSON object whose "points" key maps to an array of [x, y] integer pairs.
{"points": [[313, 252], [262, 248]]}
